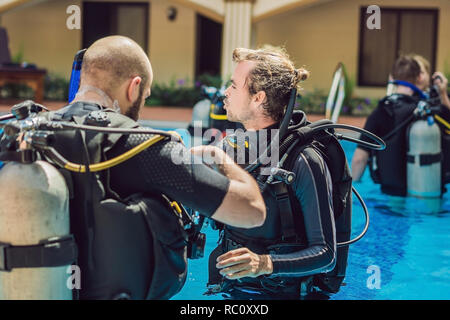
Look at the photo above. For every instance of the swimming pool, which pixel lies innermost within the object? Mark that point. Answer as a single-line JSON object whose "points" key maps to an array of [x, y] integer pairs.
{"points": [[406, 246], [405, 253]]}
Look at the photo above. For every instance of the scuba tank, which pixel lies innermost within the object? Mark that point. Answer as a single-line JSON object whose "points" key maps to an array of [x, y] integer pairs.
{"points": [[200, 122], [32, 194], [424, 157], [34, 256]]}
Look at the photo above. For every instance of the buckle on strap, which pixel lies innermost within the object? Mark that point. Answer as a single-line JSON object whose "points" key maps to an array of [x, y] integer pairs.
{"points": [[52, 252]]}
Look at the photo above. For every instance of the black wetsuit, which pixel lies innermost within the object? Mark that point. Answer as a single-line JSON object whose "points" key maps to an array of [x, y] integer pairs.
{"points": [[311, 199]]}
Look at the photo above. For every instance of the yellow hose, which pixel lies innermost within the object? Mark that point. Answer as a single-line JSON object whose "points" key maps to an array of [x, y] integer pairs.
{"points": [[119, 159], [445, 123]]}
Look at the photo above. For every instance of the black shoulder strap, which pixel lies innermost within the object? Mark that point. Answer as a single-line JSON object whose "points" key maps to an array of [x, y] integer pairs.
{"points": [[284, 196], [281, 194]]}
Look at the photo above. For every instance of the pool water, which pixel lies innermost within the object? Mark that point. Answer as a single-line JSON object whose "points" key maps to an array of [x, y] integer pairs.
{"points": [[405, 253]]}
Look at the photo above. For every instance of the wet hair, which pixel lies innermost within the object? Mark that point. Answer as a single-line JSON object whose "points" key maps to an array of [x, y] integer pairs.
{"points": [[112, 60], [274, 73], [407, 67]]}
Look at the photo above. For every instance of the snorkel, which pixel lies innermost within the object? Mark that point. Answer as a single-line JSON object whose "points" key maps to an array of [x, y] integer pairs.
{"points": [[75, 75]]}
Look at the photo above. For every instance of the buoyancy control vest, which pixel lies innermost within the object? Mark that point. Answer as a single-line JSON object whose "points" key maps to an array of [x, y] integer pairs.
{"points": [[134, 248], [388, 167], [283, 230]]}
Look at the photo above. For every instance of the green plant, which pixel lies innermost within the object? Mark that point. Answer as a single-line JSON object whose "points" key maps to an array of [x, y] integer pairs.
{"points": [[16, 91], [56, 87], [209, 80], [181, 92], [313, 102], [19, 56]]}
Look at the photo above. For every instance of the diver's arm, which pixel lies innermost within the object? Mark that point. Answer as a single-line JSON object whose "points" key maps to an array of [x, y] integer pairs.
{"points": [[168, 168], [359, 162], [243, 205], [313, 190]]}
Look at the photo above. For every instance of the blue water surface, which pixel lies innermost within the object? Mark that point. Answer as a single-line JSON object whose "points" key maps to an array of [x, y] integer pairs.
{"points": [[407, 245]]}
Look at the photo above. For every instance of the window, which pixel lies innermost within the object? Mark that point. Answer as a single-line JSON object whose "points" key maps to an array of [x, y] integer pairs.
{"points": [[402, 31], [101, 19]]}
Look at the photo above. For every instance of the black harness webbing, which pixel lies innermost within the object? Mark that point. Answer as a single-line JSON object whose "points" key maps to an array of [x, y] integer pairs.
{"points": [[22, 156], [285, 209], [425, 159], [52, 252]]}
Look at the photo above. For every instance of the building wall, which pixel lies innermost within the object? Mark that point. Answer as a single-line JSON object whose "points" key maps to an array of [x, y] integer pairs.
{"points": [[42, 33], [172, 44], [319, 37], [41, 30]]}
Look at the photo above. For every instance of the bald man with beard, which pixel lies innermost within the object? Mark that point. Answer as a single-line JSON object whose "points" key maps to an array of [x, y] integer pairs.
{"points": [[117, 74]]}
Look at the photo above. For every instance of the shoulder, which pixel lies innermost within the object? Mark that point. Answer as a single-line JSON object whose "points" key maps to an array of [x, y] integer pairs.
{"points": [[309, 162]]}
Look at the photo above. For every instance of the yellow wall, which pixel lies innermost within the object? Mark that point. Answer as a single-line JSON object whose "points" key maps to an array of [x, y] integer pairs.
{"points": [[41, 30], [321, 36], [172, 44]]}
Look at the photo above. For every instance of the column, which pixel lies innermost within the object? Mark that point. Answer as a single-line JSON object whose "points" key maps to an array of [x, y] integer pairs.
{"points": [[236, 31]]}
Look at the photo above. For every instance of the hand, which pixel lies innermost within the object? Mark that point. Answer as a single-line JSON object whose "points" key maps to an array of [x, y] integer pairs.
{"points": [[242, 262], [440, 81], [211, 155]]}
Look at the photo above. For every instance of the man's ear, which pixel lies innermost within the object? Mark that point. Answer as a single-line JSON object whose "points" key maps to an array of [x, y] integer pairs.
{"points": [[259, 98], [133, 89]]}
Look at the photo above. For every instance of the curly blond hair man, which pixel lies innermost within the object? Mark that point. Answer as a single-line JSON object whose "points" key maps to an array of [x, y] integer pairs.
{"points": [[246, 264]]}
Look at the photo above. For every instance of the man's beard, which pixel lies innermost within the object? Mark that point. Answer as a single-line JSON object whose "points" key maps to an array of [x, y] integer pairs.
{"points": [[133, 111]]}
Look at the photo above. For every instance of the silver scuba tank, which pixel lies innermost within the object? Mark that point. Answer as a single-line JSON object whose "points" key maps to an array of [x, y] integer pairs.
{"points": [[34, 205], [200, 121], [424, 159]]}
